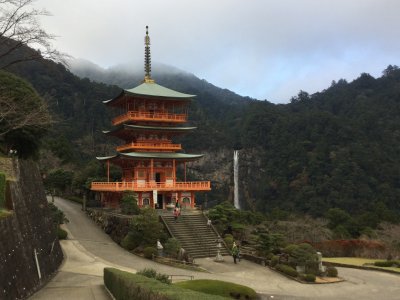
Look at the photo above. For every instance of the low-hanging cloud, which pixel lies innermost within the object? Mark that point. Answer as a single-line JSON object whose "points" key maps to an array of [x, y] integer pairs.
{"points": [[259, 48]]}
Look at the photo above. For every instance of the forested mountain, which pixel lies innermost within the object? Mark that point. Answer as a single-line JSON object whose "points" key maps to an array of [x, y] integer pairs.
{"points": [[339, 148]]}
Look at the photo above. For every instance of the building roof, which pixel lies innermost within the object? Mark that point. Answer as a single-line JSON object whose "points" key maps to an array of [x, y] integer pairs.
{"points": [[127, 130], [151, 89], [150, 155]]}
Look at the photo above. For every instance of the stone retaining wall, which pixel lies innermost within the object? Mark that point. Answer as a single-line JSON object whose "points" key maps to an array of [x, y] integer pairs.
{"points": [[28, 230]]}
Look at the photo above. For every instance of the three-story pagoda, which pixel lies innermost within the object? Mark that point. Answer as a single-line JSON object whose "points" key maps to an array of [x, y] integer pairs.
{"points": [[150, 117]]}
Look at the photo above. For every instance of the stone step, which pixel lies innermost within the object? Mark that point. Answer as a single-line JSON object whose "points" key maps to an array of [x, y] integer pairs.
{"points": [[195, 236]]}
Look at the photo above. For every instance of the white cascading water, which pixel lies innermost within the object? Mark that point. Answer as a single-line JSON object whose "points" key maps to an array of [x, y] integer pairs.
{"points": [[236, 179]]}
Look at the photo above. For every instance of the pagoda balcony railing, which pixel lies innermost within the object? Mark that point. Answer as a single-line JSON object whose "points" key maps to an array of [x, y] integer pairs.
{"points": [[150, 116], [150, 147], [150, 186]]}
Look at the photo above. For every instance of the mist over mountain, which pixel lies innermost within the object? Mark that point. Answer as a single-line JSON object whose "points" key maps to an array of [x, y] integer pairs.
{"points": [[131, 74]]}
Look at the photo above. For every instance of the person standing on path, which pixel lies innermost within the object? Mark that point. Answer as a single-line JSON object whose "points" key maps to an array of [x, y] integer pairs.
{"points": [[235, 253], [176, 214]]}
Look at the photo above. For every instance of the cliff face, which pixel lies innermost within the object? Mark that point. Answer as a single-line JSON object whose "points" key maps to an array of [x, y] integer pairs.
{"points": [[29, 244], [217, 166]]}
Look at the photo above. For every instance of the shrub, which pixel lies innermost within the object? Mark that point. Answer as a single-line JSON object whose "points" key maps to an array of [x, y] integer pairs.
{"points": [[288, 270], [331, 272], [221, 288], [386, 263], [151, 273], [61, 233], [129, 204], [228, 239], [274, 261], [148, 252], [164, 278], [129, 242], [124, 285], [172, 247], [148, 272], [309, 277]]}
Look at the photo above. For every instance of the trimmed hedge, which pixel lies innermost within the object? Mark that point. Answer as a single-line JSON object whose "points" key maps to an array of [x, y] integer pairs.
{"points": [[148, 252], [386, 263], [331, 272], [288, 270], [309, 277], [274, 261], [220, 288], [124, 285]]}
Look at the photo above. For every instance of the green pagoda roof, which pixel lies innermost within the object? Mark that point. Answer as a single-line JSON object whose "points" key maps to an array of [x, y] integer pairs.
{"points": [[151, 89], [128, 127], [126, 131], [150, 155]]}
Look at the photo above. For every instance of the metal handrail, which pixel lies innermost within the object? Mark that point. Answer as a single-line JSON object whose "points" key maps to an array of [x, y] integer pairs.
{"points": [[152, 146], [150, 185], [154, 116]]}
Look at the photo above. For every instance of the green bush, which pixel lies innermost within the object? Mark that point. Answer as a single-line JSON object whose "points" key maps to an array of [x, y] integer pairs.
{"points": [[124, 285], [148, 252], [220, 288], [2, 190], [151, 273], [288, 270], [148, 272], [172, 247], [309, 277], [129, 242], [386, 263], [274, 261], [129, 204], [164, 278], [228, 239], [61, 233], [331, 272]]}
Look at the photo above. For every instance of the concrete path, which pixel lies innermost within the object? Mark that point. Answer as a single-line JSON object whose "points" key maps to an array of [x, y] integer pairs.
{"points": [[88, 250]]}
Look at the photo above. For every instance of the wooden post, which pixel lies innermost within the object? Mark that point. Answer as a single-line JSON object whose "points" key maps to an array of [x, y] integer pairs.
{"points": [[184, 164], [174, 170], [151, 170], [108, 170]]}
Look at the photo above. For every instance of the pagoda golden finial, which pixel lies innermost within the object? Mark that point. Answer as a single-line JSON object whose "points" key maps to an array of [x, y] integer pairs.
{"points": [[147, 58]]}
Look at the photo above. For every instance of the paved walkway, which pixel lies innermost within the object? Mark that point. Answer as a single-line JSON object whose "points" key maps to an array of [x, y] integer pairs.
{"points": [[88, 250]]}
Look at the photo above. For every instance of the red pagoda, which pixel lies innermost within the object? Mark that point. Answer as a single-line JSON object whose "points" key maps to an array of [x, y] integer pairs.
{"points": [[150, 116]]}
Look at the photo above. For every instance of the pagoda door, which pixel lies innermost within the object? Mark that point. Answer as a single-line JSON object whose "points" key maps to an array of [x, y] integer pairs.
{"points": [[158, 177]]}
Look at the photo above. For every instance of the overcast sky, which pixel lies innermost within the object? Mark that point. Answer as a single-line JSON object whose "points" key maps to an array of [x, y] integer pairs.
{"points": [[265, 49]]}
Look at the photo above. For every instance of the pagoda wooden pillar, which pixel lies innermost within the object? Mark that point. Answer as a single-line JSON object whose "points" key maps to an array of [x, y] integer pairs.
{"points": [[151, 169], [184, 167], [192, 203], [179, 198], [174, 169], [108, 170]]}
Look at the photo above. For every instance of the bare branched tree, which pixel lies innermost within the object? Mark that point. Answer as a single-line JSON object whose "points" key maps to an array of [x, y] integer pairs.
{"points": [[19, 27], [19, 114]]}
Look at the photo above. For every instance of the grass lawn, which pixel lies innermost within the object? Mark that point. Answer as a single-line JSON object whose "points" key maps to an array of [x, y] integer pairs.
{"points": [[359, 262], [220, 288]]}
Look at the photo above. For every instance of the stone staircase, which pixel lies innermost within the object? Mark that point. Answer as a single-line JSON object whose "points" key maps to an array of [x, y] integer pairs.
{"points": [[195, 236]]}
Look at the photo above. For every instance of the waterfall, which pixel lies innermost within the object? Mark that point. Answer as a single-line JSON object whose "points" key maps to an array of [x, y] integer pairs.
{"points": [[236, 179]]}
